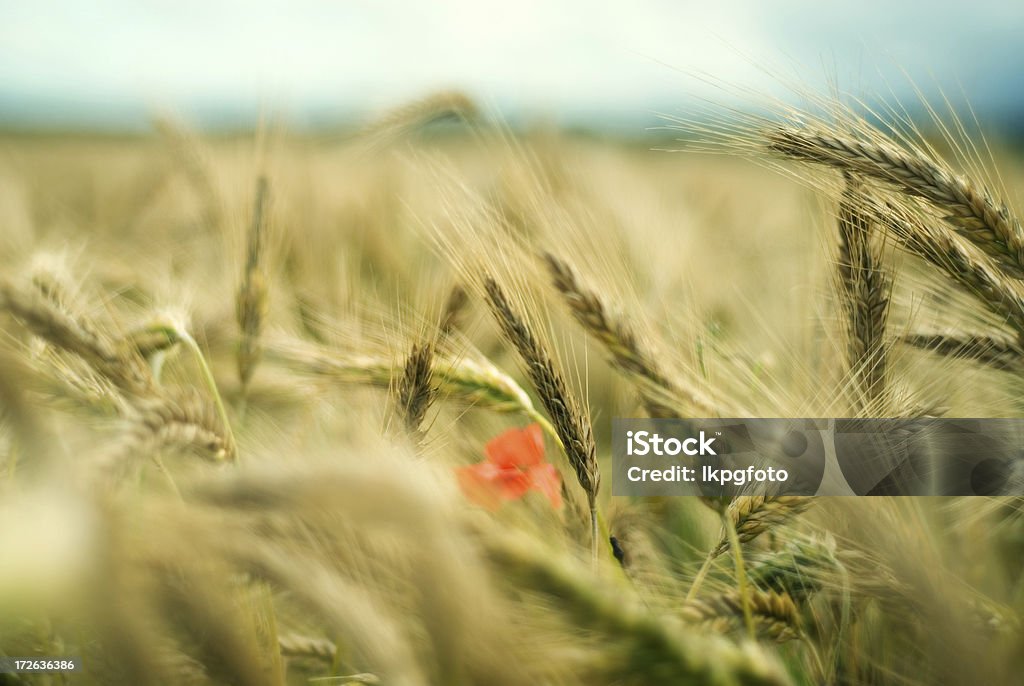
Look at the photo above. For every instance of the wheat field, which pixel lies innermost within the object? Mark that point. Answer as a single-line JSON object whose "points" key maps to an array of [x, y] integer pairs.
{"points": [[284, 408]]}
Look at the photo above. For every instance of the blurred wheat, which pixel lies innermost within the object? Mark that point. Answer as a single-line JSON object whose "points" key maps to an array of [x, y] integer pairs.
{"points": [[143, 352]]}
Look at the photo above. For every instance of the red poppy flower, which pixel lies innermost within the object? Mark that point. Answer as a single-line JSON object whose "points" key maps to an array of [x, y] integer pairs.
{"points": [[514, 465]]}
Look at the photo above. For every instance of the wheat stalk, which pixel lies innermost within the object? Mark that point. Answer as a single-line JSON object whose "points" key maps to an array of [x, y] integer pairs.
{"points": [[973, 212], [182, 334], [198, 601], [25, 429]]}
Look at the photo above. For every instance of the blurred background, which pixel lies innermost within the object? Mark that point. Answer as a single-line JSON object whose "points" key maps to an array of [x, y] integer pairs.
{"points": [[608, 66]]}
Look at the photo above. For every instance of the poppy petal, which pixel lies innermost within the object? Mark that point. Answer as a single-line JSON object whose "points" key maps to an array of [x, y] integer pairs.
{"points": [[488, 485], [545, 478], [478, 486], [517, 447]]}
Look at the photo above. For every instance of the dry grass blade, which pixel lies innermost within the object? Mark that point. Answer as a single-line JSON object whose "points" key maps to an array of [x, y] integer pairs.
{"points": [[656, 389], [973, 212], [251, 300], [991, 351], [866, 294], [774, 614]]}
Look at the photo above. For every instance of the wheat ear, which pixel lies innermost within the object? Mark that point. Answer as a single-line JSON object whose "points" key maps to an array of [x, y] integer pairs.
{"points": [[44, 319], [800, 568], [573, 428], [251, 299], [746, 518], [774, 614], [454, 309], [865, 290], [975, 273], [656, 389], [434, 107], [295, 645], [752, 515], [475, 382], [414, 391], [995, 352], [185, 422], [973, 212]]}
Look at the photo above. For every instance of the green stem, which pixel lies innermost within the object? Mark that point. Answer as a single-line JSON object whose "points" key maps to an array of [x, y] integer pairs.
{"points": [[741, 576], [211, 384], [548, 428], [598, 528], [699, 579]]}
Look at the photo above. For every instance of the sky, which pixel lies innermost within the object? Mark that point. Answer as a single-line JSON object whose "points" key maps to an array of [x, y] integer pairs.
{"points": [[111, 63]]}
